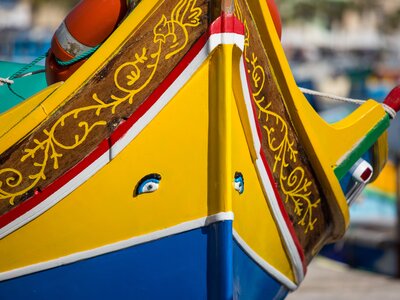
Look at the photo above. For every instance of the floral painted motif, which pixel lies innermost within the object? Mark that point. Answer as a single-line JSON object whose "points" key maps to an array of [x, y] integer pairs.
{"points": [[293, 181], [170, 38]]}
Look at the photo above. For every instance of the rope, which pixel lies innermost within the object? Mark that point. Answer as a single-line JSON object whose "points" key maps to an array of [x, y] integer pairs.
{"points": [[21, 72], [390, 111], [6, 81], [77, 58]]}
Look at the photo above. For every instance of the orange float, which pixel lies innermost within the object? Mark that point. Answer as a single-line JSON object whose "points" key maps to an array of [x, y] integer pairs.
{"points": [[83, 30]]}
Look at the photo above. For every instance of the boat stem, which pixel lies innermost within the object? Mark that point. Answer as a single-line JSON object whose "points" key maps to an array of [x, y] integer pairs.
{"points": [[228, 6]]}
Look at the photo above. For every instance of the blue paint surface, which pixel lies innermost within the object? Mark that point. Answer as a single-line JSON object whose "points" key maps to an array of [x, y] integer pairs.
{"points": [[170, 268], [200, 264], [250, 281], [191, 265], [220, 269], [347, 182]]}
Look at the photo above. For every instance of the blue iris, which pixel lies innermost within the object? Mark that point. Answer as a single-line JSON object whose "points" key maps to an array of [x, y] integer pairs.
{"points": [[148, 184], [239, 182]]}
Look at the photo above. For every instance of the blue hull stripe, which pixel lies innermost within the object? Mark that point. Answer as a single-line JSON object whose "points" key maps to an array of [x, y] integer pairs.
{"points": [[204, 263], [251, 282]]}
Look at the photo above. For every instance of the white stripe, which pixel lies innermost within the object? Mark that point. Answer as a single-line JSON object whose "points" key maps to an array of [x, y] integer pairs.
{"points": [[248, 100], [165, 98], [285, 233], [183, 227], [268, 189], [119, 145], [213, 41], [226, 39], [57, 196], [263, 264]]}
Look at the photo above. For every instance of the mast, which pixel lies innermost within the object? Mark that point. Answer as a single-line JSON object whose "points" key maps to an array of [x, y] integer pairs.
{"points": [[227, 6], [221, 6]]}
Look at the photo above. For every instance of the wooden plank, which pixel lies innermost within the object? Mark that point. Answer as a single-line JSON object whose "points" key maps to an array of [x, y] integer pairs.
{"points": [[111, 96], [298, 187]]}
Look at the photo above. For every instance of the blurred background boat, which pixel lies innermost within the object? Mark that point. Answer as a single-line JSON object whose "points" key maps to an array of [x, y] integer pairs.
{"points": [[352, 49], [357, 47]]}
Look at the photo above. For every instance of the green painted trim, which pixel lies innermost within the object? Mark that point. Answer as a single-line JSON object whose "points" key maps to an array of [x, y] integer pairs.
{"points": [[369, 140]]}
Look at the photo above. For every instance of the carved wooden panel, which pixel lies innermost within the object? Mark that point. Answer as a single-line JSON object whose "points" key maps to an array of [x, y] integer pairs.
{"points": [[110, 96], [296, 182]]}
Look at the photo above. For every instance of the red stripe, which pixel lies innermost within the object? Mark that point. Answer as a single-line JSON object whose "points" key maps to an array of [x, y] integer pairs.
{"points": [[227, 23], [155, 96], [283, 211], [272, 180], [103, 147], [39, 197]]}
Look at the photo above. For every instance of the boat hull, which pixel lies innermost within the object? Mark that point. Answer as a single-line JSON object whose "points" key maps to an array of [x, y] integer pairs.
{"points": [[203, 263]]}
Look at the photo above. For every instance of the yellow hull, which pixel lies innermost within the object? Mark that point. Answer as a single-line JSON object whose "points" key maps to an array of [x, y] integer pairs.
{"points": [[196, 130]]}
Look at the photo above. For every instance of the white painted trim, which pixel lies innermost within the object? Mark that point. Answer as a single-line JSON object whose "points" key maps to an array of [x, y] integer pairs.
{"points": [[153, 111], [79, 256], [165, 98], [248, 101], [225, 39], [57, 196], [264, 264], [286, 235], [213, 41]]}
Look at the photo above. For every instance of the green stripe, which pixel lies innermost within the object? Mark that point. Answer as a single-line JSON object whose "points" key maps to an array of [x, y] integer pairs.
{"points": [[366, 143]]}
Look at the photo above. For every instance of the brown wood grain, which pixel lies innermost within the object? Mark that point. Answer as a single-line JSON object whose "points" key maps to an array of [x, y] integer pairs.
{"points": [[271, 99], [103, 86]]}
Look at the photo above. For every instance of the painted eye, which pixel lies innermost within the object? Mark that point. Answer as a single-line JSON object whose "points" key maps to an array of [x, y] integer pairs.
{"points": [[148, 184], [239, 183]]}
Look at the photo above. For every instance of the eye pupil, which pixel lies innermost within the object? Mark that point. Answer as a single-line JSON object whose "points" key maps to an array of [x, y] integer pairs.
{"points": [[150, 187], [239, 182]]}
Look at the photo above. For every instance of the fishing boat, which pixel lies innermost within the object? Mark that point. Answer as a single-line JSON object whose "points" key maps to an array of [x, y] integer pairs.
{"points": [[176, 159]]}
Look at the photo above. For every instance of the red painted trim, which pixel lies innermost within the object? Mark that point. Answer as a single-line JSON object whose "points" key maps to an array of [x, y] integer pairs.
{"points": [[124, 127], [39, 197], [227, 23], [283, 211], [393, 99], [271, 178]]}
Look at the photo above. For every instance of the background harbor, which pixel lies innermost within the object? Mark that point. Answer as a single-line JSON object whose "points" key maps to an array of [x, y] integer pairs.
{"points": [[346, 48]]}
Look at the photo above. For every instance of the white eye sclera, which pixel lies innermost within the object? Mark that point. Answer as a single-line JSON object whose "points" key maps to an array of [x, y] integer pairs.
{"points": [[148, 184], [239, 183]]}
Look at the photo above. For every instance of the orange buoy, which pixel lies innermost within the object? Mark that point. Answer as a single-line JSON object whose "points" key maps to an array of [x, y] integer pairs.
{"points": [[88, 25], [273, 9]]}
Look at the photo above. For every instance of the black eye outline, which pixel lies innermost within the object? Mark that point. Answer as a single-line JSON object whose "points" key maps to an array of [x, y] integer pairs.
{"points": [[148, 184], [239, 182]]}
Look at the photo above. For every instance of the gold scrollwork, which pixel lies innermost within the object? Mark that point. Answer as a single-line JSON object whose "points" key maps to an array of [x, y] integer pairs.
{"points": [[171, 36], [294, 184]]}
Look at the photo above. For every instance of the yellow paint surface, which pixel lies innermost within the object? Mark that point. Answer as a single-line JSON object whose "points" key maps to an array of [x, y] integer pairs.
{"points": [[20, 120], [325, 144], [103, 210], [177, 145], [59, 93], [254, 221]]}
